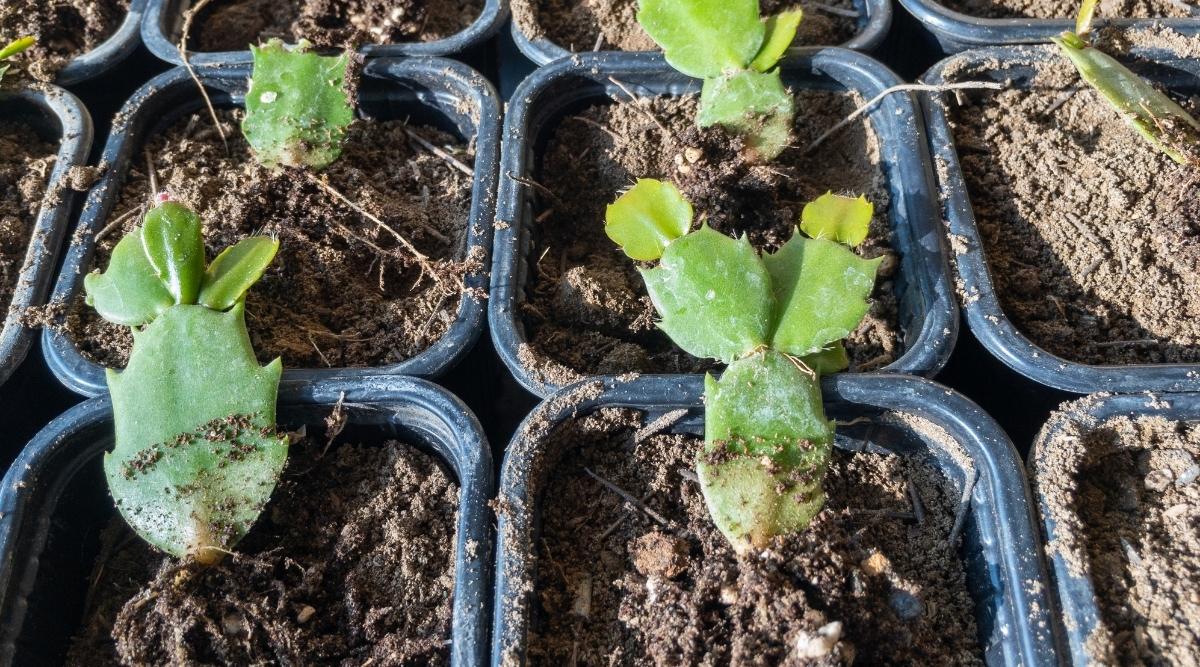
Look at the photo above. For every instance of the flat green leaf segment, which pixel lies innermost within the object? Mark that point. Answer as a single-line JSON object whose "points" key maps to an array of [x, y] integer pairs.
{"points": [[767, 444], [1155, 116], [778, 321], [196, 454], [648, 217], [298, 106], [842, 219], [725, 43], [13, 48]]}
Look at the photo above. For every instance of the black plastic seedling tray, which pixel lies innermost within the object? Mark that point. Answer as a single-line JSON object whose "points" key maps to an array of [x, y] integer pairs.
{"points": [[1014, 66], [954, 31], [163, 25], [54, 503], [59, 117], [109, 54], [435, 91], [874, 20], [1076, 595], [928, 315]]}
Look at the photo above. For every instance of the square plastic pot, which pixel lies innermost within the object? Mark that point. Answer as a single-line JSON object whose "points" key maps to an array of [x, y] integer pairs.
{"points": [[163, 25], [436, 91], [54, 503], [955, 31], [108, 54], [928, 315], [1076, 596], [874, 21], [1014, 66], [58, 117], [1001, 550]]}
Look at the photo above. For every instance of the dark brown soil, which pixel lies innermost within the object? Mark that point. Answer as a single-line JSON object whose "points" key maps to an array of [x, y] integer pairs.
{"points": [[1062, 9], [1125, 497], [64, 29], [342, 291], [233, 25], [1080, 221], [351, 564], [588, 311], [25, 165], [595, 25], [861, 585]]}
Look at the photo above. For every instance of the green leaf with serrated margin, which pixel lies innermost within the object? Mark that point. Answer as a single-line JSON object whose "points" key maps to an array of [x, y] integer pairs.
{"points": [[646, 219], [767, 444], [129, 291], [298, 106], [842, 219], [832, 359], [703, 38], [713, 295], [235, 270], [781, 30], [196, 456], [174, 246], [752, 104], [821, 291]]}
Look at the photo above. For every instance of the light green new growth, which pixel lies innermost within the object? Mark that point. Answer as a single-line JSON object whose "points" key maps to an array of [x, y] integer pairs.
{"points": [[11, 49], [1160, 121], [725, 43], [196, 454], [778, 322], [298, 106]]}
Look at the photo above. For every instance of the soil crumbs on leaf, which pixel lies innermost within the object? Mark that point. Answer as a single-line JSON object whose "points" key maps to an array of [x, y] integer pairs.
{"points": [[588, 311], [351, 563], [588, 25], [232, 25], [25, 165], [1090, 233], [343, 291], [859, 586], [64, 29], [1066, 9], [1125, 495]]}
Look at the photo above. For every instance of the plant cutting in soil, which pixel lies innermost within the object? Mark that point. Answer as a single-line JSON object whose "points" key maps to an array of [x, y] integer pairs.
{"points": [[25, 164], [874, 579], [587, 311], [10, 50], [1114, 286], [1124, 495], [594, 25], [777, 321], [229, 25], [371, 245], [64, 29], [1059, 9]]}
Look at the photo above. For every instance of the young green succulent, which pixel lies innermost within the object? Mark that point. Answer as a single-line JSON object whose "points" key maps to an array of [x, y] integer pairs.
{"points": [[1160, 121], [196, 454], [777, 321], [11, 49], [725, 43], [298, 106]]}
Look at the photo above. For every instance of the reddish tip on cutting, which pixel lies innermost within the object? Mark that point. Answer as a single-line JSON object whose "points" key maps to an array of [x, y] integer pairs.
{"points": [[162, 198]]}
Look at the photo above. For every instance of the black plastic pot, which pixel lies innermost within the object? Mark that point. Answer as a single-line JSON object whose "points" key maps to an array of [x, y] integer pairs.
{"points": [[108, 54], [875, 18], [1014, 66], [59, 117], [164, 22], [927, 312], [54, 503], [1076, 596], [435, 91], [1001, 549], [954, 31]]}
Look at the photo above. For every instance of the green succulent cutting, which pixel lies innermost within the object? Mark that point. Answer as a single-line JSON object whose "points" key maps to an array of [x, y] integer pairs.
{"points": [[11, 49], [196, 455], [735, 52], [778, 321]]}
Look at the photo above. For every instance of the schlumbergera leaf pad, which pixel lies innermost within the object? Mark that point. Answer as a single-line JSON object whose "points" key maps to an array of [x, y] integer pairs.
{"points": [[196, 455], [778, 322]]}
